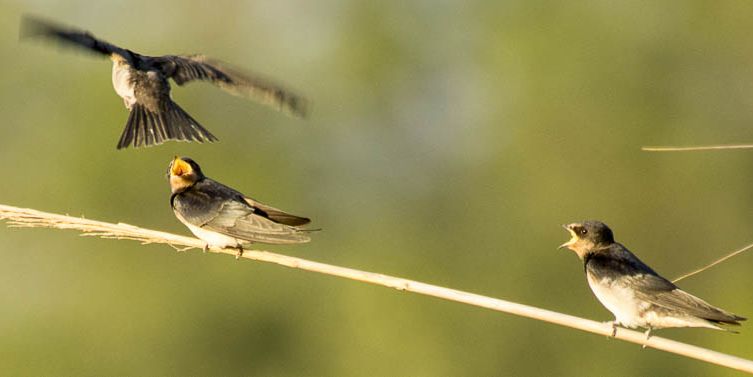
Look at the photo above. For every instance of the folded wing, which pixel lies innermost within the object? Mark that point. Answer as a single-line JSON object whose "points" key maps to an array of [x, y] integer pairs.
{"points": [[277, 215], [661, 292], [239, 220]]}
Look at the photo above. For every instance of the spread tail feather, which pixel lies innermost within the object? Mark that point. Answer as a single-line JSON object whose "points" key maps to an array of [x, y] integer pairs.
{"points": [[146, 128]]}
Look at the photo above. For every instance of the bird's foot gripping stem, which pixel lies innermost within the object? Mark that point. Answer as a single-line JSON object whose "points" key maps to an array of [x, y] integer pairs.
{"points": [[648, 335], [614, 328]]}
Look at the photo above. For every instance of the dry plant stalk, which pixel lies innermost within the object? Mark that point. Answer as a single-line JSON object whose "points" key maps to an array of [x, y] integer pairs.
{"points": [[697, 148], [714, 263], [21, 217]]}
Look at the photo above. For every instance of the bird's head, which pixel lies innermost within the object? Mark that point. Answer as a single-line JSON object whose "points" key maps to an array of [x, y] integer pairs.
{"points": [[183, 173], [587, 236]]}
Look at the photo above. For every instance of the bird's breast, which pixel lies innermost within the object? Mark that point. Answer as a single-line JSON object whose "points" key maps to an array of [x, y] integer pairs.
{"points": [[618, 298], [123, 83], [211, 237]]}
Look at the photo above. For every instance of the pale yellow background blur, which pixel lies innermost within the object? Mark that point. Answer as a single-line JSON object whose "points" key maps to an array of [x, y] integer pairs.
{"points": [[447, 143]]}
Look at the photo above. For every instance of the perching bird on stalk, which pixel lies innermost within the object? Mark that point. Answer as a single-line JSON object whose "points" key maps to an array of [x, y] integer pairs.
{"points": [[632, 291], [224, 217]]}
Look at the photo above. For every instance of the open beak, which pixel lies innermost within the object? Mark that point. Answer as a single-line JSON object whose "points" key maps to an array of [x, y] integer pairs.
{"points": [[179, 167], [573, 237]]}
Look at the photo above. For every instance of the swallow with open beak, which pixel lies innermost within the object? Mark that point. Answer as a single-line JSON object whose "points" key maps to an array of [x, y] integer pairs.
{"points": [[142, 82], [632, 291], [222, 216]]}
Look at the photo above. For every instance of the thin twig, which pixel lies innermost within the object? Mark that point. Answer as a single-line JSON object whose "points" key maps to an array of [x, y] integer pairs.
{"points": [[714, 263], [21, 217], [698, 148]]}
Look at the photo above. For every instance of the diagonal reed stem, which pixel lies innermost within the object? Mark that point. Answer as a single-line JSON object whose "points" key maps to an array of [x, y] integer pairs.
{"points": [[714, 263], [22, 217]]}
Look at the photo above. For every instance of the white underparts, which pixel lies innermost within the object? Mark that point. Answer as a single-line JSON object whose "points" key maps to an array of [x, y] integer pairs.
{"points": [[121, 81], [213, 238], [618, 300], [210, 237]]}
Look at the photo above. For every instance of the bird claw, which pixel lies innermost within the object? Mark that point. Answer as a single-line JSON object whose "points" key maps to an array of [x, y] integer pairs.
{"points": [[205, 248], [648, 335], [239, 254], [614, 328]]}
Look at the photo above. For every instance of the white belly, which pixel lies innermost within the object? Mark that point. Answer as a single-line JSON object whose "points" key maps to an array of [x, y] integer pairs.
{"points": [[121, 81], [618, 300], [213, 238], [210, 237]]}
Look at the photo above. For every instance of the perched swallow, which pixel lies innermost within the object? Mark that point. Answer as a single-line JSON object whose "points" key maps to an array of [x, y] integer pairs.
{"points": [[222, 216], [142, 82], [632, 291]]}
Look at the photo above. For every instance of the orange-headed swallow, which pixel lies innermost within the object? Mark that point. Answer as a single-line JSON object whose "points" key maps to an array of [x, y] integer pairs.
{"points": [[632, 291], [222, 216], [142, 82]]}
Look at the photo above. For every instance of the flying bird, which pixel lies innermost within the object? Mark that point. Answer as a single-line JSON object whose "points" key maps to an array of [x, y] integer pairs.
{"points": [[222, 216], [632, 291], [142, 82]]}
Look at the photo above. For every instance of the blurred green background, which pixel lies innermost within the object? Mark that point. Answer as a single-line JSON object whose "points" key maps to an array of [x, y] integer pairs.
{"points": [[447, 143]]}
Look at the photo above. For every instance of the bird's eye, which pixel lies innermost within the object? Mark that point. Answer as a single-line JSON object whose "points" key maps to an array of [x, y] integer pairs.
{"points": [[583, 231]]}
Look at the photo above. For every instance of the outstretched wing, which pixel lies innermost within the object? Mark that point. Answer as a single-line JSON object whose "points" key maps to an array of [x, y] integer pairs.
{"points": [[188, 68], [36, 27], [240, 221]]}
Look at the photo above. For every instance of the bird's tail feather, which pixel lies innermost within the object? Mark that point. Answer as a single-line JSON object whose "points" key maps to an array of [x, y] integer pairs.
{"points": [[734, 320], [146, 128]]}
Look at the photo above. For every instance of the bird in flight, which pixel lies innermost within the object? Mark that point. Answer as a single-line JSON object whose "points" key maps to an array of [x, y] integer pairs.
{"points": [[632, 291], [142, 82]]}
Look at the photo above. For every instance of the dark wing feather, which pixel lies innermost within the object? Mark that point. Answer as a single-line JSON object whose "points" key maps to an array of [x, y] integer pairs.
{"points": [[277, 215], [183, 69], [216, 207], [678, 300], [34, 27], [239, 220]]}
